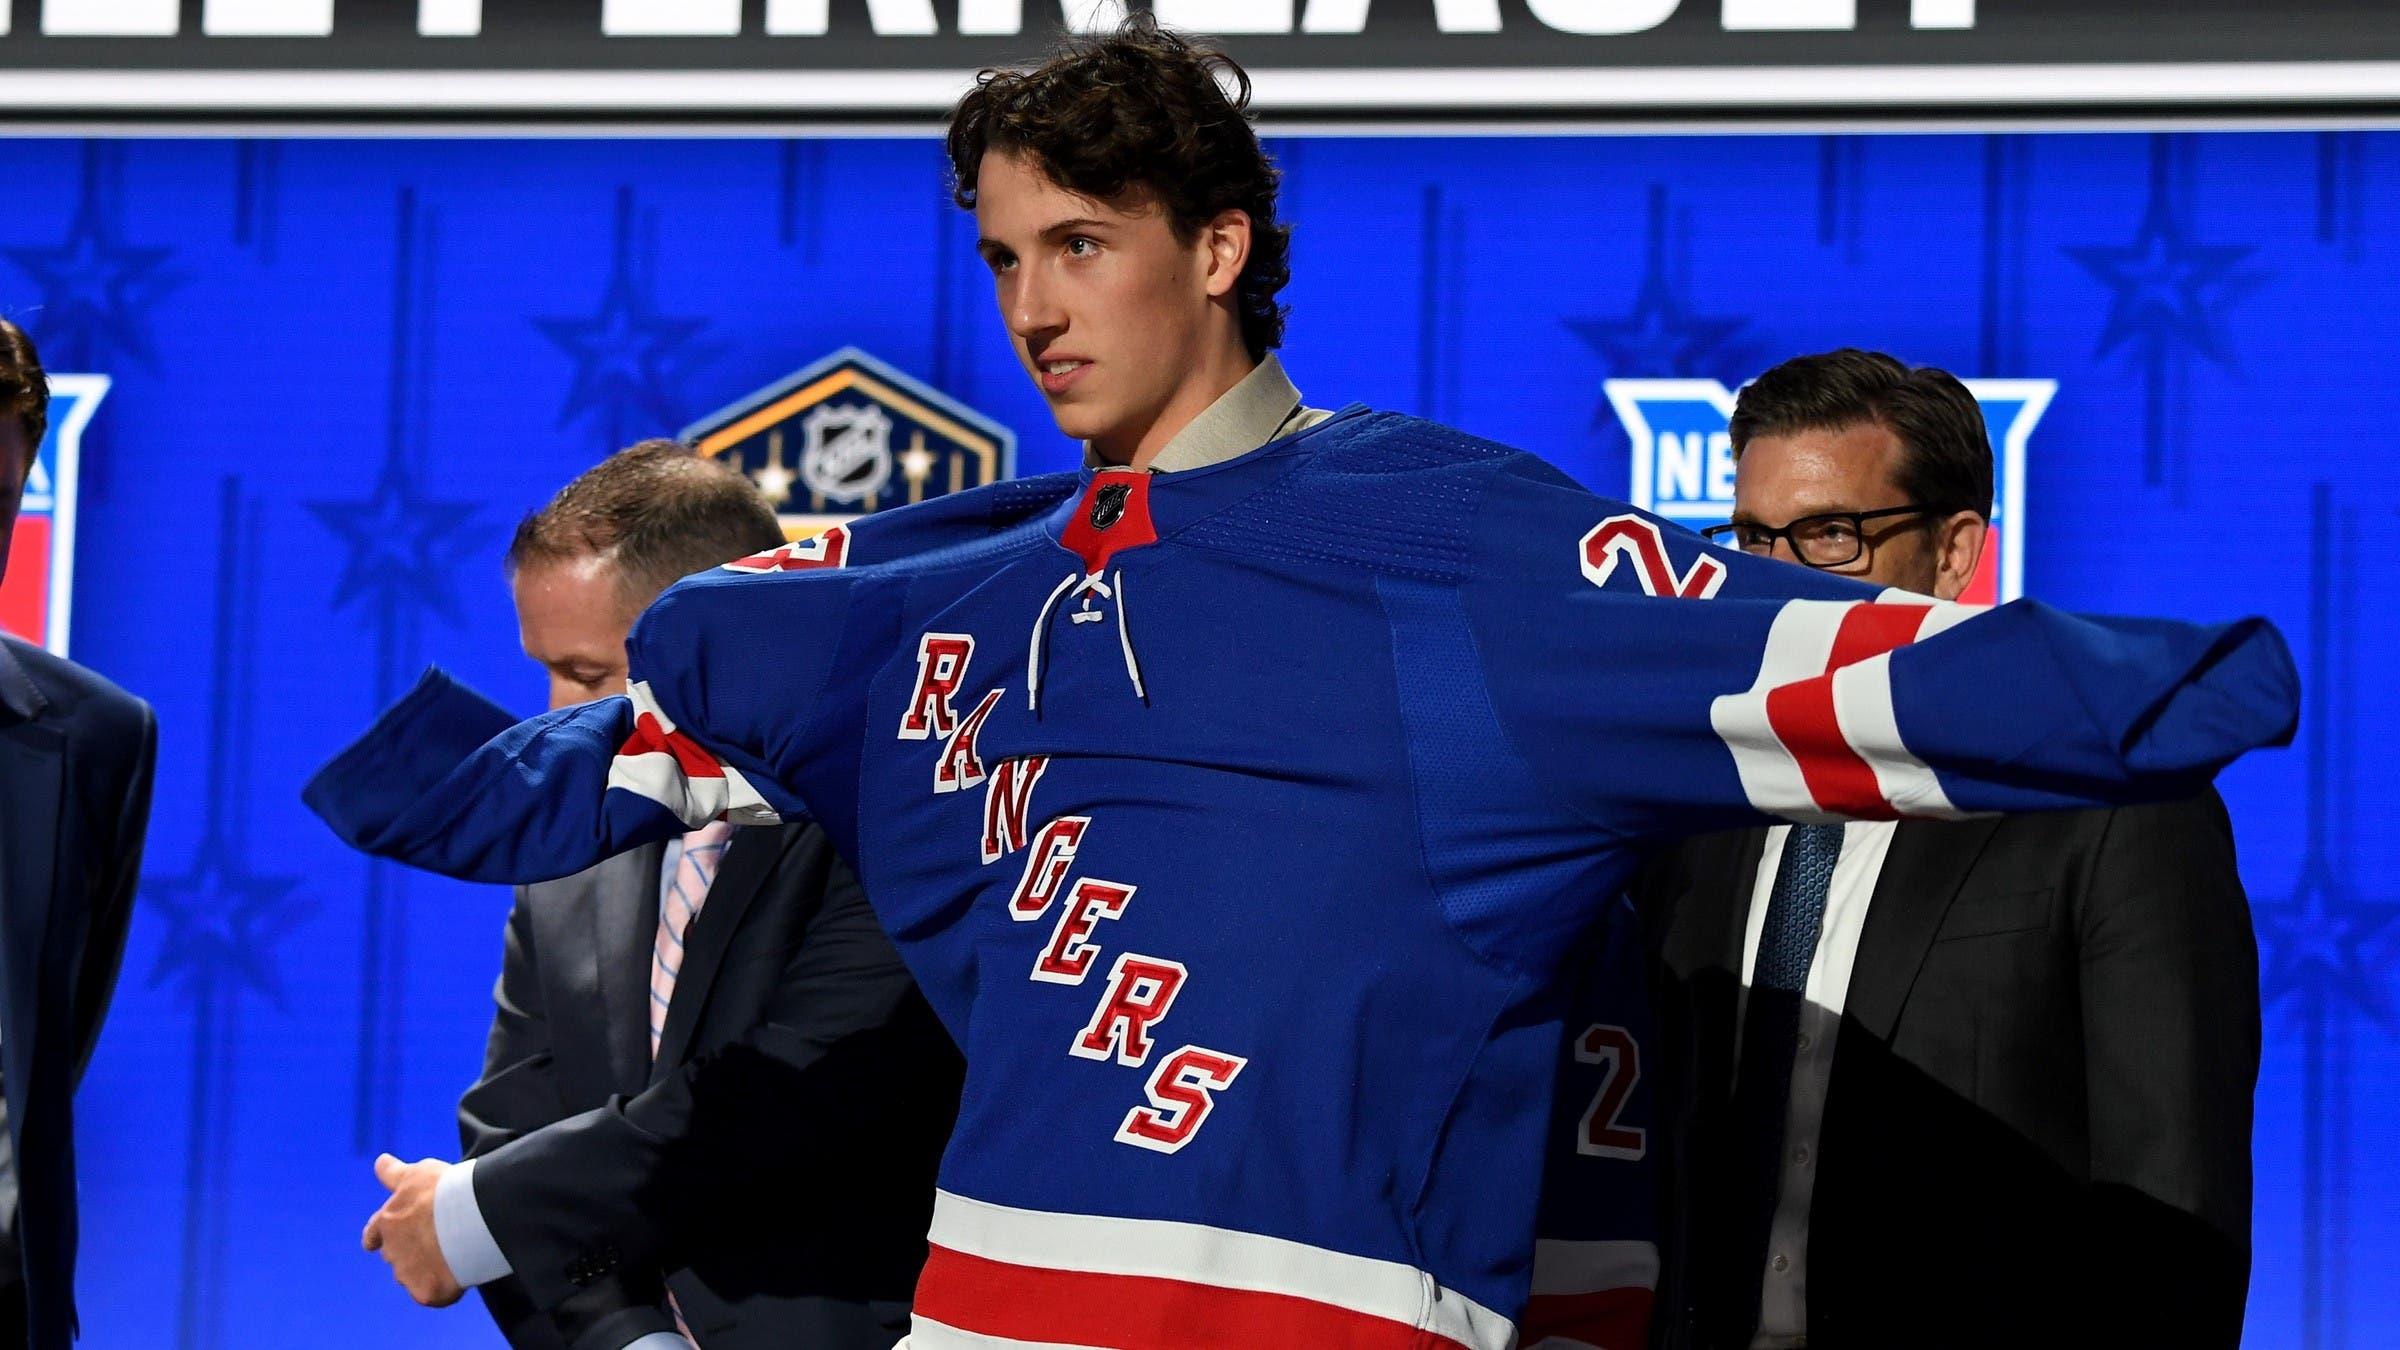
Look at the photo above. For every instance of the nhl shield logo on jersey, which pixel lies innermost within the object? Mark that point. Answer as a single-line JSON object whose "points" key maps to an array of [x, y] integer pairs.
{"points": [[37, 595], [1683, 461], [848, 435]]}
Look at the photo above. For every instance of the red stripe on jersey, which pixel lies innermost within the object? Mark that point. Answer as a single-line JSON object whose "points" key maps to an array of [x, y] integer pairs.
{"points": [[1610, 1319], [1802, 713], [1141, 1312], [829, 549], [1869, 631], [647, 739]]}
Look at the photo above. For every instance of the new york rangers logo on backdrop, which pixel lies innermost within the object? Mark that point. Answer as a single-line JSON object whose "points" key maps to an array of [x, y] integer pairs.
{"points": [[37, 595], [1683, 461]]}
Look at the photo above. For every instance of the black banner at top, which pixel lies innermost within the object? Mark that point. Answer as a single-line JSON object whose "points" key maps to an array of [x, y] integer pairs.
{"points": [[786, 58]]}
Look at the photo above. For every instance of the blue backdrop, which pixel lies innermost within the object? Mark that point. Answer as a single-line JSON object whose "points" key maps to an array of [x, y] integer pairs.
{"points": [[343, 368]]}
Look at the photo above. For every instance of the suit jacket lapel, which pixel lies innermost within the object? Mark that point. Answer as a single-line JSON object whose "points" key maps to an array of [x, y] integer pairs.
{"points": [[18, 693], [624, 912], [1928, 862], [33, 771], [743, 871], [1704, 946]]}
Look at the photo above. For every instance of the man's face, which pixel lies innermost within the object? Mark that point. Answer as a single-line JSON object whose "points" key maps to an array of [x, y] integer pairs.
{"points": [[572, 618], [1780, 479], [1110, 312], [16, 461]]}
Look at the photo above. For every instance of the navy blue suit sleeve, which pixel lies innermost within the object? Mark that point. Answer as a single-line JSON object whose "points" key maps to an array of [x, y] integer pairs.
{"points": [[1656, 685], [112, 900]]}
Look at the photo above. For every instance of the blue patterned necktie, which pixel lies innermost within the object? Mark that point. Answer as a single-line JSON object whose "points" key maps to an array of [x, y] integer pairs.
{"points": [[1787, 944]]}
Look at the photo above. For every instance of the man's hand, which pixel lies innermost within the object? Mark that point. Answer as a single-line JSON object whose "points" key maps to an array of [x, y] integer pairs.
{"points": [[403, 1230]]}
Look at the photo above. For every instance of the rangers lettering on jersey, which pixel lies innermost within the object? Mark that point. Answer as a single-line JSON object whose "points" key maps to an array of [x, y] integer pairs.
{"points": [[1141, 989], [959, 766], [1068, 958], [1046, 866], [1007, 800], [1415, 708], [1180, 1091], [941, 664]]}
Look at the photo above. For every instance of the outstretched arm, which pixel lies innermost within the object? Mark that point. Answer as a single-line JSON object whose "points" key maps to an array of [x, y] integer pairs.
{"points": [[447, 781], [1658, 686]]}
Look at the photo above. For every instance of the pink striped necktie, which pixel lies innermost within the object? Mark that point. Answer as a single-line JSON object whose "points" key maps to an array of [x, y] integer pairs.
{"points": [[686, 893]]}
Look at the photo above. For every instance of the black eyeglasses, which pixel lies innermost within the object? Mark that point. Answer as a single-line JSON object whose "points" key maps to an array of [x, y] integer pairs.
{"points": [[1832, 539]]}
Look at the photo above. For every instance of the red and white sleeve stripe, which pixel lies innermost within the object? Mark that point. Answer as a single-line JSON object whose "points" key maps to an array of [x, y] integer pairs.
{"points": [[1814, 737], [998, 1276], [672, 769], [1591, 1295]]}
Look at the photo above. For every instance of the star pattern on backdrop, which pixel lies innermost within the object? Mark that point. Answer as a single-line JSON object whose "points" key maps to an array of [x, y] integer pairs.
{"points": [[1662, 335], [627, 353], [223, 922], [2325, 943], [402, 545], [95, 287], [224, 917], [2166, 289]]}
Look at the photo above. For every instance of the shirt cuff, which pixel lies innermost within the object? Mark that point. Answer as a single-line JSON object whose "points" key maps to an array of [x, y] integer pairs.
{"points": [[467, 1244], [661, 1340]]}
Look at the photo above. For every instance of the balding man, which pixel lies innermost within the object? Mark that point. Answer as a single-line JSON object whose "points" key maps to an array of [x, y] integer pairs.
{"points": [[707, 1041]]}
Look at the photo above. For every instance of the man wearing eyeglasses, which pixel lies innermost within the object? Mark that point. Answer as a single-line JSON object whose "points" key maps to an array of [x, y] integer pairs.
{"points": [[1968, 1083]]}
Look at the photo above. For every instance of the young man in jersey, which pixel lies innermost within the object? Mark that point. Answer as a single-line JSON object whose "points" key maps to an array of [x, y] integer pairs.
{"points": [[1236, 800]]}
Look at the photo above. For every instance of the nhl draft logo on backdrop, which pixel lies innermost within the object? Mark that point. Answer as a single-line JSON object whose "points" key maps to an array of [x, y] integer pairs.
{"points": [[848, 435], [846, 452], [37, 596], [1683, 461]]}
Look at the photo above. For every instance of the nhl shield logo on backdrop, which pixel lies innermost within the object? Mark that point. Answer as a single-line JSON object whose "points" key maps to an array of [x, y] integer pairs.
{"points": [[1683, 461], [37, 595], [850, 434]]}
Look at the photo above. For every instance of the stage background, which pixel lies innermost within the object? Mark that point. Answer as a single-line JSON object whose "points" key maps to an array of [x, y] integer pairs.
{"points": [[343, 369]]}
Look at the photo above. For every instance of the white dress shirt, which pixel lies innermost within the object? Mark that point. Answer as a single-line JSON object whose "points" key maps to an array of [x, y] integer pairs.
{"points": [[1783, 1294]]}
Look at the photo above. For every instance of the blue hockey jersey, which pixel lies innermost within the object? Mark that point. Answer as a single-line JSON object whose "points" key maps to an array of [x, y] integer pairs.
{"points": [[1237, 822], [1596, 1251]]}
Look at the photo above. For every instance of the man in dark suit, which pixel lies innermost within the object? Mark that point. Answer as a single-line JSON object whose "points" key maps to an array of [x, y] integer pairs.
{"points": [[711, 1094], [1943, 1083], [75, 759]]}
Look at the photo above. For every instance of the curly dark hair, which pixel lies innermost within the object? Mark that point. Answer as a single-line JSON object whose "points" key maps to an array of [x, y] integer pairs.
{"points": [[1140, 108]]}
